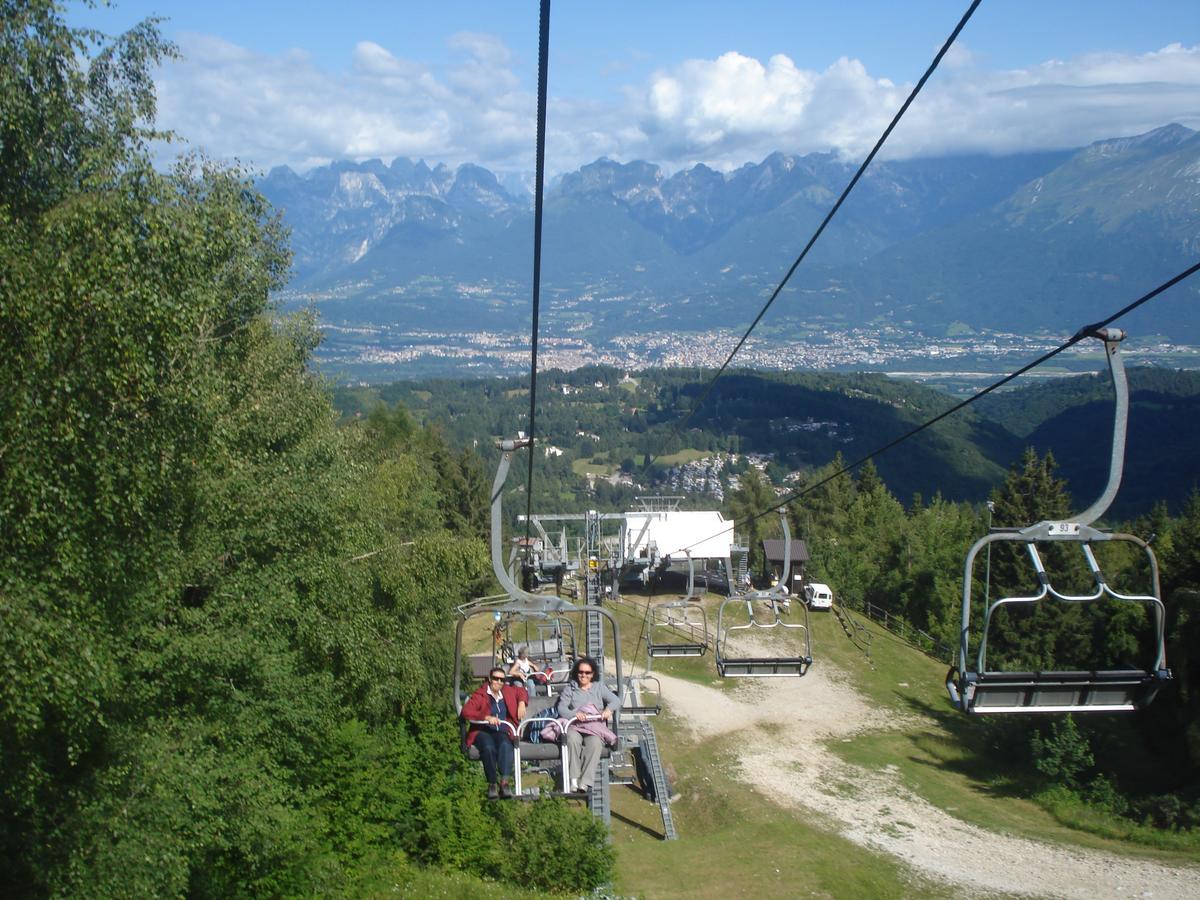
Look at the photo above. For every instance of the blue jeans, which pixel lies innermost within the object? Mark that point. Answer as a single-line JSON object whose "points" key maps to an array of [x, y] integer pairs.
{"points": [[496, 753]]}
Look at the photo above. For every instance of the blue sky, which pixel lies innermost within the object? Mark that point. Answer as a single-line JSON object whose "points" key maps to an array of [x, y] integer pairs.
{"points": [[675, 83]]}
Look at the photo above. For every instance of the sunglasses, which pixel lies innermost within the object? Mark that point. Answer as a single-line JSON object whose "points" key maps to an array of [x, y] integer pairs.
{"points": [[497, 678], [584, 672]]}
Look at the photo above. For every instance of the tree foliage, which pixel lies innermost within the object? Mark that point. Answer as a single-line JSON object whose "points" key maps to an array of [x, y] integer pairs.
{"points": [[226, 620]]}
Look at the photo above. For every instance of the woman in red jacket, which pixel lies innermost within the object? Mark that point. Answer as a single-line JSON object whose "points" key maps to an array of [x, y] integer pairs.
{"points": [[493, 704]]}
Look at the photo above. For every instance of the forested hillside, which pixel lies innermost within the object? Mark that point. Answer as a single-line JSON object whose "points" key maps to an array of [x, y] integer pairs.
{"points": [[225, 645], [1072, 417], [605, 422]]}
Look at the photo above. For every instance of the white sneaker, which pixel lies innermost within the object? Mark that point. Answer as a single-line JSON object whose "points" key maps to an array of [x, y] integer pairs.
{"points": [[574, 785]]}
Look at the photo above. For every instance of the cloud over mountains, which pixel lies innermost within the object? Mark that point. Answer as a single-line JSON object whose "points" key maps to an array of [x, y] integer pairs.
{"points": [[285, 109]]}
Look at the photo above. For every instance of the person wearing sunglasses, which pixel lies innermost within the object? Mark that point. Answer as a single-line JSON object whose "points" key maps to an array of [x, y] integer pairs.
{"points": [[487, 710], [584, 698]]}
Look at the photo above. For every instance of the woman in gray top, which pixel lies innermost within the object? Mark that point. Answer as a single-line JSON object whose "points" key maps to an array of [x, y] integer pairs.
{"points": [[583, 750]]}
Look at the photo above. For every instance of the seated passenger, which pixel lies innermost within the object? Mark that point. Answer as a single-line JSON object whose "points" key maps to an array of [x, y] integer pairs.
{"points": [[523, 671], [492, 704], [583, 689]]}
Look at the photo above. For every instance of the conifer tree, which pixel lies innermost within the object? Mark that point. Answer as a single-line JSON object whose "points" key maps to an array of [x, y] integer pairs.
{"points": [[1047, 634]]}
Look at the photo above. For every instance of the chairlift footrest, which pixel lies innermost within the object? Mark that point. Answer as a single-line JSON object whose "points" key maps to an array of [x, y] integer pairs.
{"points": [[629, 710]]}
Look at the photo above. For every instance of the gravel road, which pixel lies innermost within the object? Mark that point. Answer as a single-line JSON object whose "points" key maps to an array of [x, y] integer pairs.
{"points": [[875, 810]]}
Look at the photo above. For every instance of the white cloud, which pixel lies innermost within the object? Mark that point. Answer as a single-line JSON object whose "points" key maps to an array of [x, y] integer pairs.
{"points": [[725, 111], [271, 110], [486, 48], [733, 109]]}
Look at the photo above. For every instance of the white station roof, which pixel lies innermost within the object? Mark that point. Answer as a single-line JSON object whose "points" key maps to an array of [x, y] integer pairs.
{"points": [[707, 534]]}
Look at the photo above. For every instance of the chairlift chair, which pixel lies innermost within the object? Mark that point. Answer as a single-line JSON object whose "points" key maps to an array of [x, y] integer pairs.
{"points": [[641, 696], [517, 606], [773, 602], [547, 637], [679, 627], [978, 690]]}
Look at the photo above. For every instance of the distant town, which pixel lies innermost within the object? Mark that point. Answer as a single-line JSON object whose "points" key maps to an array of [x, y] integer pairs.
{"points": [[376, 353]]}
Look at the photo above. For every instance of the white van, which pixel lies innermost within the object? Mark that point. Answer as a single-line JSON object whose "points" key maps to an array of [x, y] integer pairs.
{"points": [[818, 596]]}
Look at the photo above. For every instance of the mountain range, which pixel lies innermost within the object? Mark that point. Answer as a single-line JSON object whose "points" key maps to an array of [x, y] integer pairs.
{"points": [[1034, 242]]}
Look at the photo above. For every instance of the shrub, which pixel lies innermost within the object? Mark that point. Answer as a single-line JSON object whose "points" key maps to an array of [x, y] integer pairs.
{"points": [[554, 847], [1102, 793], [1168, 811], [1063, 754]]}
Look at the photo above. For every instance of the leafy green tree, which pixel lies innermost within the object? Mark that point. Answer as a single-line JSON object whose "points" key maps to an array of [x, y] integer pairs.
{"points": [[1178, 718], [858, 556], [67, 128], [220, 609], [829, 521], [927, 581], [1062, 753]]}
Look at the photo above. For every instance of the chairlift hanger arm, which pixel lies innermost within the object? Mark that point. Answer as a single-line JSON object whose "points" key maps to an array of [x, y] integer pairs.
{"points": [[1112, 338], [518, 597]]}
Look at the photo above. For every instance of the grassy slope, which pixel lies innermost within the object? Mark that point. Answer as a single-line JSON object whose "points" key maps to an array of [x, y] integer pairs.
{"points": [[732, 841], [735, 840], [944, 756]]}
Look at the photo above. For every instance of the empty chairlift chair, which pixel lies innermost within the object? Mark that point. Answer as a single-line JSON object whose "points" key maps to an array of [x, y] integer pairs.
{"points": [[975, 688], [678, 627], [762, 616], [641, 696]]}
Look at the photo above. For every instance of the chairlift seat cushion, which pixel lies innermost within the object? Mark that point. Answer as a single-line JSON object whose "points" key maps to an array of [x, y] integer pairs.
{"points": [[548, 648], [680, 649], [764, 667], [533, 752], [481, 664], [1105, 690]]}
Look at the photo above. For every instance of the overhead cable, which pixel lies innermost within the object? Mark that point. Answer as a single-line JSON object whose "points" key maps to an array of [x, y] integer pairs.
{"points": [[678, 429], [1084, 332], [543, 66]]}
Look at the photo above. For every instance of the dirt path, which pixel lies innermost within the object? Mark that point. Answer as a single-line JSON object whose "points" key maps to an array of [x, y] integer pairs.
{"points": [[873, 809]]}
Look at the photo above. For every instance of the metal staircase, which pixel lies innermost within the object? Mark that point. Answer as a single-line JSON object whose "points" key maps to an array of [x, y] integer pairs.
{"points": [[592, 589], [648, 744], [740, 553], [598, 796]]}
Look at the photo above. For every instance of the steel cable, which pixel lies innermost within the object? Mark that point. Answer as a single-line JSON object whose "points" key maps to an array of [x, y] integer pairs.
{"points": [[678, 429], [543, 66]]}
